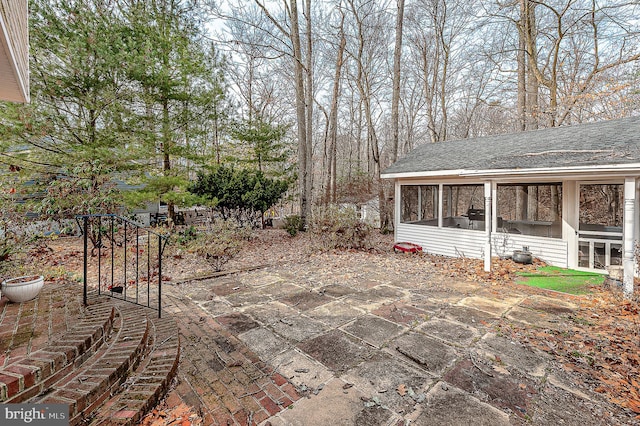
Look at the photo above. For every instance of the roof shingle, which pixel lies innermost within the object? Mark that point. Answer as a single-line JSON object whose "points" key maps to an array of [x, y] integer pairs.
{"points": [[611, 142]]}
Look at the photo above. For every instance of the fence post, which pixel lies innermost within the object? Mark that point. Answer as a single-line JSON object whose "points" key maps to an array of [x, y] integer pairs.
{"points": [[86, 246]]}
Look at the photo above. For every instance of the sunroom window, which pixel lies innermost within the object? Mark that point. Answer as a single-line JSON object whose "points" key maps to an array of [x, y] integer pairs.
{"points": [[463, 207], [530, 209], [419, 204], [601, 219]]}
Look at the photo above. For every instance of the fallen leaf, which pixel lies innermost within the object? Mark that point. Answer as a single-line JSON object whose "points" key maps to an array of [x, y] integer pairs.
{"points": [[402, 390]]}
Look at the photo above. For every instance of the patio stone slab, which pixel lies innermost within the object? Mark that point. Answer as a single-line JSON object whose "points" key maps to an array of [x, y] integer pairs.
{"points": [[470, 316], [447, 405], [386, 292], [402, 313], [270, 312], [535, 318], [335, 314], [428, 353], [217, 306], [224, 286], [237, 322], [305, 300], [514, 356], [373, 330], [373, 416], [260, 278], [454, 332], [304, 372], [381, 292], [336, 350], [336, 290], [363, 304], [264, 343], [556, 406], [549, 305], [439, 297], [246, 298], [380, 379], [298, 327], [197, 293], [506, 392], [333, 405], [492, 306], [278, 290], [464, 287]]}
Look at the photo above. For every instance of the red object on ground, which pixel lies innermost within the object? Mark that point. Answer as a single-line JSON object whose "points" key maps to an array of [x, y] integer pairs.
{"points": [[406, 247]]}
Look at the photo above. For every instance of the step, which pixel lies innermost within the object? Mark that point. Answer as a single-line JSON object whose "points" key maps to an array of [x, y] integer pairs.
{"points": [[88, 386], [25, 378], [148, 384]]}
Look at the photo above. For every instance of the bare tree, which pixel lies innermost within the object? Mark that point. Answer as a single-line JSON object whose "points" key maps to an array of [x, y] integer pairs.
{"points": [[395, 100], [331, 180]]}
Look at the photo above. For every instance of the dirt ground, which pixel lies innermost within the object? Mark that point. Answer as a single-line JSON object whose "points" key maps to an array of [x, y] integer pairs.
{"points": [[600, 347]]}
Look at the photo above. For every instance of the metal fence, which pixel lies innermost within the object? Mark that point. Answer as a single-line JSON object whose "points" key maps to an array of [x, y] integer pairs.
{"points": [[122, 259]]}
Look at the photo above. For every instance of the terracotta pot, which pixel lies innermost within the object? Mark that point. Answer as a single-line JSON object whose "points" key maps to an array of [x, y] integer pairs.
{"points": [[22, 289]]}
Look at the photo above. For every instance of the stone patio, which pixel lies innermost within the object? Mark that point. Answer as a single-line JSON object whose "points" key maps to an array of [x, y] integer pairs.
{"points": [[370, 343]]}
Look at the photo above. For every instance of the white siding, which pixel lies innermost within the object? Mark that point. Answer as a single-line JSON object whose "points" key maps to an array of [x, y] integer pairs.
{"points": [[14, 51], [456, 242], [551, 250], [452, 242]]}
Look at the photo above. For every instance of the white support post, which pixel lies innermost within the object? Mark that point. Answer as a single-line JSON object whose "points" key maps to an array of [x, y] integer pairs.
{"points": [[440, 204], [494, 207], [570, 220], [419, 202], [396, 210], [488, 224], [629, 233]]}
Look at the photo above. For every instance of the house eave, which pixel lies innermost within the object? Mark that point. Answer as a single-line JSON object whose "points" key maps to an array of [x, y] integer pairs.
{"points": [[14, 51], [435, 173], [611, 170]]}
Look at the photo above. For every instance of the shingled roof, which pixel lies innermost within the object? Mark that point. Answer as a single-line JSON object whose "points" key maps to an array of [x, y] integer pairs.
{"points": [[605, 143]]}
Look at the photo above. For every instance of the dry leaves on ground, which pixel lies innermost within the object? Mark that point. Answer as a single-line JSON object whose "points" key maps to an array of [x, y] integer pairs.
{"points": [[601, 345]]}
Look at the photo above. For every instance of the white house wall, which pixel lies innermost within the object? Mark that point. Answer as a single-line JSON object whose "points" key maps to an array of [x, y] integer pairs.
{"points": [[14, 51], [552, 250], [463, 243], [452, 242]]}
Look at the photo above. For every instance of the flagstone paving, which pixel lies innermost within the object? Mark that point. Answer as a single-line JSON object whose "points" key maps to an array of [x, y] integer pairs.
{"points": [[363, 344]]}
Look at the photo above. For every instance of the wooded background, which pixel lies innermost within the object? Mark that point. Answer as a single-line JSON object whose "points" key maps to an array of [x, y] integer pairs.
{"points": [[328, 93]]}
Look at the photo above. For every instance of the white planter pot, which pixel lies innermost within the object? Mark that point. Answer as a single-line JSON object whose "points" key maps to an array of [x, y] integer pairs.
{"points": [[21, 289]]}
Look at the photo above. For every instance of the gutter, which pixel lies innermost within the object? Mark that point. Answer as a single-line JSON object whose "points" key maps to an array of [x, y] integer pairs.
{"points": [[601, 171]]}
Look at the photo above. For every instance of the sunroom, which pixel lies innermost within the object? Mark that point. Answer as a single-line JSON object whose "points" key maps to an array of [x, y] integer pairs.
{"points": [[569, 195]]}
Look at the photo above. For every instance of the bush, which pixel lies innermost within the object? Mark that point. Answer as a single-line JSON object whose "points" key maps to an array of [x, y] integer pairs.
{"points": [[187, 235], [339, 228], [222, 240], [239, 193], [293, 224]]}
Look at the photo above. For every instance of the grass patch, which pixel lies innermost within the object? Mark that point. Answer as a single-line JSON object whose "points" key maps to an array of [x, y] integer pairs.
{"points": [[563, 280]]}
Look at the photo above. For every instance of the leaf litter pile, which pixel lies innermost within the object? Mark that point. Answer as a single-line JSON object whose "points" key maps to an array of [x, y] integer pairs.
{"points": [[600, 347]]}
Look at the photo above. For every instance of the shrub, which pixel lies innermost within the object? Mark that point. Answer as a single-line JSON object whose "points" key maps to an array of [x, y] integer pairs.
{"points": [[239, 193], [339, 228], [222, 240], [185, 236], [293, 224]]}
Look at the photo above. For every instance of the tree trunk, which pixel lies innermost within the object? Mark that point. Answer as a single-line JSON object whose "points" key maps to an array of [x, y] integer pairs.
{"points": [[309, 105], [331, 191], [395, 98], [166, 150], [303, 167], [522, 68]]}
